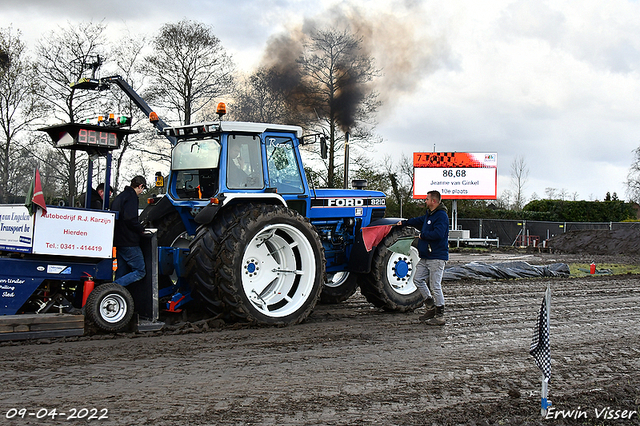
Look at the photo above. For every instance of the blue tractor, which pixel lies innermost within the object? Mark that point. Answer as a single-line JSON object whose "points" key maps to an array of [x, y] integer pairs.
{"points": [[240, 230]]}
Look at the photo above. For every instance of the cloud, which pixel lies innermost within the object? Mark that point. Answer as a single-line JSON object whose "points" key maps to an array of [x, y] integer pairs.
{"points": [[533, 20]]}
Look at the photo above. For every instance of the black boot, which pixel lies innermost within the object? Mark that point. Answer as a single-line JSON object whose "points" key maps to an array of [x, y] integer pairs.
{"points": [[429, 311], [438, 318]]}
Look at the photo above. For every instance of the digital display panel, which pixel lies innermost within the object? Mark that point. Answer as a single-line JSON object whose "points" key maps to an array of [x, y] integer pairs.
{"points": [[87, 137], [97, 137]]}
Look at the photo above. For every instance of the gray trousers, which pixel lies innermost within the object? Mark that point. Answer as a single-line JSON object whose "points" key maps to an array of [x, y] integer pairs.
{"points": [[431, 269]]}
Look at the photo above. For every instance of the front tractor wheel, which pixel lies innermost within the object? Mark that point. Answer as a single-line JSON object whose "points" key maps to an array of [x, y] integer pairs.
{"points": [[271, 267], [110, 307], [390, 284], [339, 287]]}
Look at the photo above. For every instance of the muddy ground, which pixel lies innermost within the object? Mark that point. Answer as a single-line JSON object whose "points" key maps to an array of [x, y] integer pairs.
{"points": [[354, 364]]}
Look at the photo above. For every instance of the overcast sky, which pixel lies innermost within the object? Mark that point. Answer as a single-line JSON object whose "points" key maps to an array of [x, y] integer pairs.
{"points": [[556, 82]]}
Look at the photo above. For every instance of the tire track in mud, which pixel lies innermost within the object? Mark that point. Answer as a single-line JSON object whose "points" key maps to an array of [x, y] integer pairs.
{"points": [[348, 363], [512, 320], [485, 362]]}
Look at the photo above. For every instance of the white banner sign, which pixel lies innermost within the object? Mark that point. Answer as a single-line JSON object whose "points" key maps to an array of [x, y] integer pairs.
{"points": [[457, 183], [456, 175], [72, 232], [16, 228]]}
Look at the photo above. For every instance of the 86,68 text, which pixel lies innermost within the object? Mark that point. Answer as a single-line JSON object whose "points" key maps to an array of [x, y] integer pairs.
{"points": [[454, 173], [72, 414]]}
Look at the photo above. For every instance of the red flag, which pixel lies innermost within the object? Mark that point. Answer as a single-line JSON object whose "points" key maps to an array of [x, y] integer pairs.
{"points": [[38, 196], [372, 235], [35, 197]]}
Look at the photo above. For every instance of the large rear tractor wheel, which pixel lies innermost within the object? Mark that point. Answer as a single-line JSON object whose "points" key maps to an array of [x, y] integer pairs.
{"points": [[339, 287], [270, 267], [204, 247], [390, 284], [110, 307]]}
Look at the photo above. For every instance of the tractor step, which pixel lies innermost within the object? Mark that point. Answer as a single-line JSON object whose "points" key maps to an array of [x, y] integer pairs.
{"points": [[38, 326]]}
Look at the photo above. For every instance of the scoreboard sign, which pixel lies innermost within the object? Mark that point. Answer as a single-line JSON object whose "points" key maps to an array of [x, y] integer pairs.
{"points": [[87, 137], [456, 175]]}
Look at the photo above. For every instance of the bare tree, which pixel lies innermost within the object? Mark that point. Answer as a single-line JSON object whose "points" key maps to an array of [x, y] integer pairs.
{"points": [[267, 96], [19, 107], [563, 193], [4, 60], [551, 193], [335, 74], [519, 176], [633, 178], [63, 58], [188, 70], [504, 200], [406, 171], [50, 163]]}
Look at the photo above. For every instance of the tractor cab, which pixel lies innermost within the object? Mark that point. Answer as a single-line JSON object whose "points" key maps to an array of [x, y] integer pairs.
{"points": [[234, 157]]}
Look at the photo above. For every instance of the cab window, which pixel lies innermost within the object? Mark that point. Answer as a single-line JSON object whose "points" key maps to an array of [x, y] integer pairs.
{"points": [[284, 172], [244, 162]]}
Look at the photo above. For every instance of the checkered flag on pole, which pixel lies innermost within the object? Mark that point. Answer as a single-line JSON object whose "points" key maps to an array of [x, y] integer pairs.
{"points": [[540, 343], [541, 351]]}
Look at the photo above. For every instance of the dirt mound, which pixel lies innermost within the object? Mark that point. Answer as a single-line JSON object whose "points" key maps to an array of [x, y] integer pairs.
{"points": [[598, 241]]}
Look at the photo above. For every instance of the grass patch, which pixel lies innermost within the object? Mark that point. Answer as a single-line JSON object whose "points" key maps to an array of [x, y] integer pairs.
{"points": [[474, 250], [582, 269]]}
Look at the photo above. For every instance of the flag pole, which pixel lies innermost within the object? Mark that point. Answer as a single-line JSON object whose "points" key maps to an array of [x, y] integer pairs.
{"points": [[545, 403]]}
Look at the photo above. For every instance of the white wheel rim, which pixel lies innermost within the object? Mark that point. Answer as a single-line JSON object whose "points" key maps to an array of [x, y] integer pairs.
{"points": [[336, 279], [401, 271], [113, 308], [278, 270]]}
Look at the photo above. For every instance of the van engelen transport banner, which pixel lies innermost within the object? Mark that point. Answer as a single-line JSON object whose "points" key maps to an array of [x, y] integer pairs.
{"points": [[456, 175], [16, 228]]}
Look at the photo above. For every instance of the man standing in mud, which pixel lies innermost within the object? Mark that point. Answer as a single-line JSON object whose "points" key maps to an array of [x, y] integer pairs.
{"points": [[433, 247]]}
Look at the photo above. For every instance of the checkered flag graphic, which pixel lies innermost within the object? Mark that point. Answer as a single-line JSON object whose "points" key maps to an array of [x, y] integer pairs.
{"points": [[540, 349]]}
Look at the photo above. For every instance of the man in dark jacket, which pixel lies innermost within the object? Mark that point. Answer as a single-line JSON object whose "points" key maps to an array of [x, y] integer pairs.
{"points": [[433, 247], [97, 197], [128, 232]]}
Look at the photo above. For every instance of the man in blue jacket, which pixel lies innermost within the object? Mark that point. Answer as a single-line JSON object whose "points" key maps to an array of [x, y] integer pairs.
{"points": [[128, 233], [433, 247]]}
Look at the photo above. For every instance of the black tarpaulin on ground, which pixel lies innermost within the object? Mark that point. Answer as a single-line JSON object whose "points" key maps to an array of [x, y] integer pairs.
{"points": [[516, 269]]}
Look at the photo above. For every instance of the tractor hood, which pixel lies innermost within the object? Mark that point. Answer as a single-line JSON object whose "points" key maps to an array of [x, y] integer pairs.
{"points": [[346, 193]]}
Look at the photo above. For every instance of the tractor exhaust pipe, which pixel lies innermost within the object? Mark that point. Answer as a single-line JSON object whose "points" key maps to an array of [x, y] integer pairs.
{"points": [[346, 160]]}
